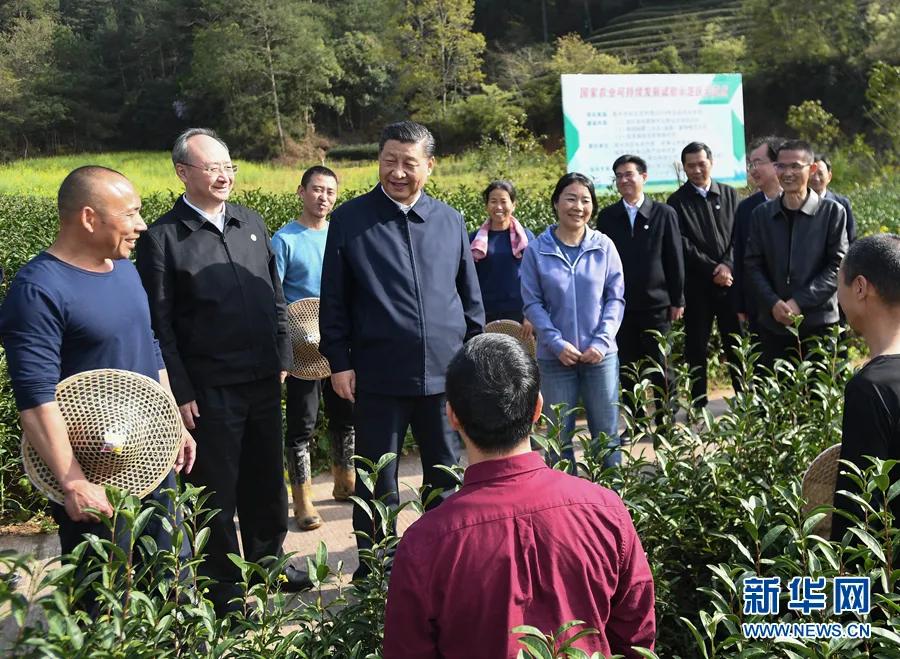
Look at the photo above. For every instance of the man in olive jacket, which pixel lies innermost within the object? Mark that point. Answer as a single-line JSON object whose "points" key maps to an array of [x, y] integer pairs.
{"points": [[399, 296], [706, 218], [794, 250]]}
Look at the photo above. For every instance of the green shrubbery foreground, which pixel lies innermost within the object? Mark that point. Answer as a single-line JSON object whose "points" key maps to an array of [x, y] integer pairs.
{"points": [[719, 503]]}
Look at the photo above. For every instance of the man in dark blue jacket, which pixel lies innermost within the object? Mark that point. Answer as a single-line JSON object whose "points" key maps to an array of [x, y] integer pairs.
{"points": [[399, 296], [819, 181], [760, 165]]}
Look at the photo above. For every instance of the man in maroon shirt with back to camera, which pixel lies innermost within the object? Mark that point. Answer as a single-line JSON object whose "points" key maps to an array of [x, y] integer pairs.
{"points": [[520, 543]]}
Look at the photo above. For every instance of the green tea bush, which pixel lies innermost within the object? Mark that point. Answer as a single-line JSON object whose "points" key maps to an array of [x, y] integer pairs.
{"points": [[28, 225], [719, 503]]}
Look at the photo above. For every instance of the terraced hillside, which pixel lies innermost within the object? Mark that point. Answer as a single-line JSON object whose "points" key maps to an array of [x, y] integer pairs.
{"points": [[640, 34]]}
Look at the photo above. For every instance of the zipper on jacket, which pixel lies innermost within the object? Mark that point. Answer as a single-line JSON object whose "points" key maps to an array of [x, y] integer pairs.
{"points": [[412, 260], [790, 248]]}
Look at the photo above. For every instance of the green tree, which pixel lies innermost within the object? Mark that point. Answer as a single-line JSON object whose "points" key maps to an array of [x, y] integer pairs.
{"points": [[883, 95], [719, 52], [815, 124], [786, 32], [883, 21], [367, 76], [574, 55], [260, 69], [667, 61], [32, 100], [440, 57]]}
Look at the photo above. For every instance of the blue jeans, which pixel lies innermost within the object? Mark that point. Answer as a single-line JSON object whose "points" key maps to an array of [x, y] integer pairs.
{"points": [[597, 387]]}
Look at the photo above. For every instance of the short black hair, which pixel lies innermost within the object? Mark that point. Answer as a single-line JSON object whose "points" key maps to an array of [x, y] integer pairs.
{"points": [[493, 386], [877, 258], [638, 162], [823, 157], [569, 179], [771, 142], [797, 145], [316, 170], [507, 186], [77, 189], [408, 132], [695, 147]]}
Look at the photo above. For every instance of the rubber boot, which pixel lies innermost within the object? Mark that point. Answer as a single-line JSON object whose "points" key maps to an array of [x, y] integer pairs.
{"points": [[304, 511], [344, 482]]}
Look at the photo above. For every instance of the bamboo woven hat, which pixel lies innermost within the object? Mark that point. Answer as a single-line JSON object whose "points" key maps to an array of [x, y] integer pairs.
{"points": [[818, 485], [303, 319], [514, 329], [124, 428]]}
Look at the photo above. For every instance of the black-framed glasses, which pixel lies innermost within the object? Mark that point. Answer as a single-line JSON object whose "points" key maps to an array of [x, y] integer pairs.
{"points": [[215, 168]]}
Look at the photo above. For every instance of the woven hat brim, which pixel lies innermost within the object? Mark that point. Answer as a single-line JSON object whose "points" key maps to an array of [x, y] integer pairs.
{"points": [[514, 329], [91, 402], [303, 323], [818, 485]]}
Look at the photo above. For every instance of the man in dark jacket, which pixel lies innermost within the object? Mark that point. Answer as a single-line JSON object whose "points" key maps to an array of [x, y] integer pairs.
{"points": [[647, 238], [219, 314], [706, 218], [793, 254], [761, 166], [399, 296], [819, 181]]}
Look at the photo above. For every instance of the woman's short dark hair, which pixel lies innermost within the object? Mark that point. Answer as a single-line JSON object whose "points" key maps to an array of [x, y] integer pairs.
{"points": [[499, 185], [569, 179], [493, 386]]}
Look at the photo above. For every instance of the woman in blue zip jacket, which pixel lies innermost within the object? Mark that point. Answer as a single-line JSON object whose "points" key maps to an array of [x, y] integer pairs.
{"points": [[573, 292]]}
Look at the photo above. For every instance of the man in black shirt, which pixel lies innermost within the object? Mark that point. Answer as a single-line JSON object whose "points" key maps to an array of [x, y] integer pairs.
{"points": [[706, 218], [795, 247], [647, 238], [869, 293]]}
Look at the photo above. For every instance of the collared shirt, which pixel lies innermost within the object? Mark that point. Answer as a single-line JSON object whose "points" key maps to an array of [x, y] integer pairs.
{"points": [[702, 191], [518, 544], [633, 210], [217, 220], [402, 207]]}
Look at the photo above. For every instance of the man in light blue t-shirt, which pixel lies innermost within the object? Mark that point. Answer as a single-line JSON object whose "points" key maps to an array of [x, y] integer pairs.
{"points": [[299, 247]]}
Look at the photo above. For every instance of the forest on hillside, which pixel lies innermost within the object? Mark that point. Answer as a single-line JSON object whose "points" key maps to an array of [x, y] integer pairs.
{"points": [[289, 78]]}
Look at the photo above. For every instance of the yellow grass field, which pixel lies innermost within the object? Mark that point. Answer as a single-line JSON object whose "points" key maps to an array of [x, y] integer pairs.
{"points": [[151, 171]]}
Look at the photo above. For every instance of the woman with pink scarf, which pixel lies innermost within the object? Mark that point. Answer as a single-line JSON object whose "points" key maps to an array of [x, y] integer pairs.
{"points": [[497, 248]]}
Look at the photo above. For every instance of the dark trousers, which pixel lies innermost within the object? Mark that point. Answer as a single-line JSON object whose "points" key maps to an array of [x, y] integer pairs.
{"points": [[302, 412], [239, 461], [703, 303], [636, 343], [71, 533], [776, 345], [381, 423]]}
